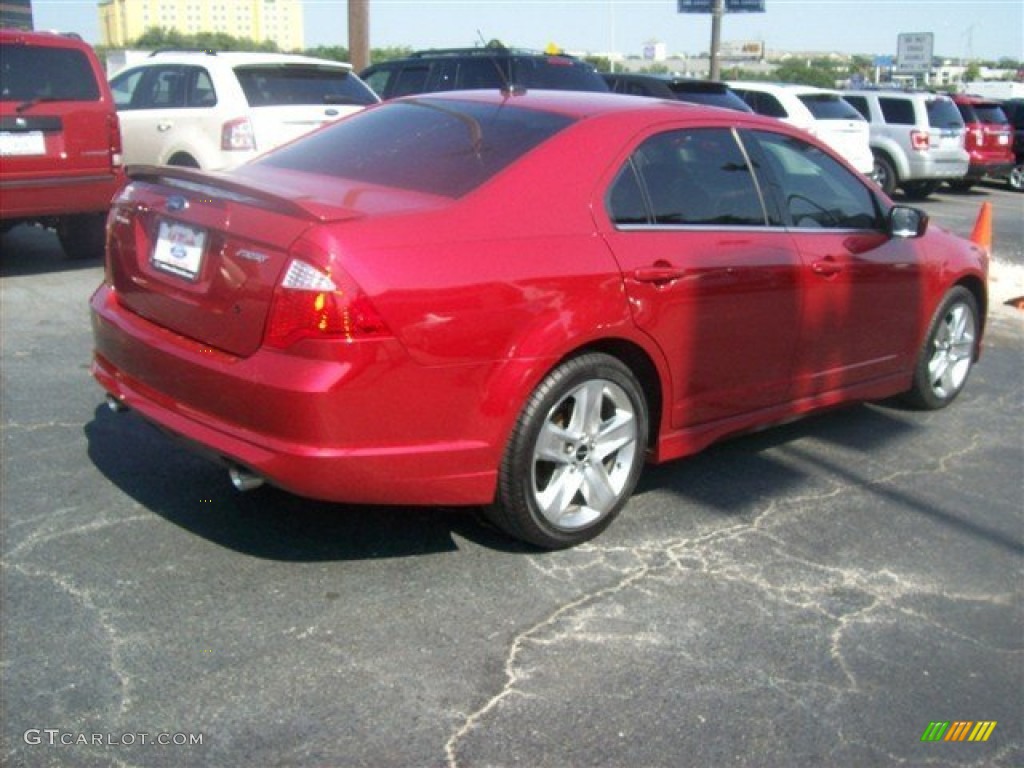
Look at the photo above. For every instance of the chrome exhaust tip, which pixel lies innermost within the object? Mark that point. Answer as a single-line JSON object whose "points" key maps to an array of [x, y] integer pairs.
{"points": [[116, 405], [243, 479]]}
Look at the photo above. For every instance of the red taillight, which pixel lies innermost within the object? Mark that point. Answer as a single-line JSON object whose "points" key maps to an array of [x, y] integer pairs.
{"points": [[312, 303], [978, 136], [237, 134], [919, 140], [114, 141]]}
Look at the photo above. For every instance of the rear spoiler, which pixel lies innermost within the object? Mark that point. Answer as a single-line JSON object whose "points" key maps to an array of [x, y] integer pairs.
{"points": [[219, 185]]}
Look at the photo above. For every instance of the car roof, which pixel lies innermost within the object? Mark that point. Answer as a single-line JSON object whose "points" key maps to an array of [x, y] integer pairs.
{"points": [[236, 58], [794, 88], [42, 37], [590, 104]]}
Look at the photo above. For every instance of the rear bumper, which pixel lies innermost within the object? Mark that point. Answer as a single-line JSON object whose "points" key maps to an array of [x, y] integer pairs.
{"points": [[39, 197], [931, 168], [981, 169], [373, 428]]}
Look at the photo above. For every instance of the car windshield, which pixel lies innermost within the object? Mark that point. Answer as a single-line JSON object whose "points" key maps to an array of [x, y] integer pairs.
{"points": [[46, 73], [713, 95], [828, 106], [989, 114], [942, 113], [292, 84], [438, 146]]}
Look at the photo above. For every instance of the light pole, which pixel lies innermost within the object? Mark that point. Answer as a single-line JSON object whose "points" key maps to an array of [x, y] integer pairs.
{"points": [[717, 9], [359, 34]]}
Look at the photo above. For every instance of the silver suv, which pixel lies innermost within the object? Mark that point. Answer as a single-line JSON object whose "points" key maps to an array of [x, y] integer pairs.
{"points": [[917, 139]]}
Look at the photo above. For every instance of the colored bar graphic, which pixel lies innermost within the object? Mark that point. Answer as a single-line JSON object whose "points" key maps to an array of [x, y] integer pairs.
{"points": [[982, 730], [959, 730]]}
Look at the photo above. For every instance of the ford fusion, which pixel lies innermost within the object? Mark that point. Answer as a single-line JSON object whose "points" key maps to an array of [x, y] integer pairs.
{"points": [[516, 300]]}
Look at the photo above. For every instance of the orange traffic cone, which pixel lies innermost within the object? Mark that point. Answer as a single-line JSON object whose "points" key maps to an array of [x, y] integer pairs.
{"points": [[982, 232]]}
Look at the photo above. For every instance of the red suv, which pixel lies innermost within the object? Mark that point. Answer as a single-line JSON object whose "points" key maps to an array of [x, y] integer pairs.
{"points": [[988, 138], [60, 143]]}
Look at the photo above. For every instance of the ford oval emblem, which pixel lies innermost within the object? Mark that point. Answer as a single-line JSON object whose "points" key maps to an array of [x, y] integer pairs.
{"points": [[176, 203]]}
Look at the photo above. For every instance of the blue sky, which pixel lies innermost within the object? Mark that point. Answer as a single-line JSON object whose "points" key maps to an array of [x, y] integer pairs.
{"points": [[988, 29]]}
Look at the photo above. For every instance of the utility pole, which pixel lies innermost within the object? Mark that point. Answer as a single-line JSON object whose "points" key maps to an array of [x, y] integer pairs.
{"points": [[717, 10], [359, 34]]}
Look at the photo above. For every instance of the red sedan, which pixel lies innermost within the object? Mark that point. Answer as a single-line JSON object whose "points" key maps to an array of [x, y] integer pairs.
{"points": [[515, 300]]}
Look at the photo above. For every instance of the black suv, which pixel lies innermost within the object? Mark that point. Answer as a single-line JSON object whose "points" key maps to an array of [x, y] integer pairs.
{"points": [[687, 89], [474, 68], [1014, 109]]}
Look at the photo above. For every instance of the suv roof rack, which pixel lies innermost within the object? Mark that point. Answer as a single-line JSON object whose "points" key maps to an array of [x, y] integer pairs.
{"points": [[207, 51], [488, 51]]}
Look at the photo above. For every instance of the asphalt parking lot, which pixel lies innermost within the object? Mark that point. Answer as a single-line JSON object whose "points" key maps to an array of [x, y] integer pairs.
{"points": [[815, 594]]}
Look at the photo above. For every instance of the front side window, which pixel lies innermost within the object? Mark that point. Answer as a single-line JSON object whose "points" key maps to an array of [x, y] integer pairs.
{"points": [[816, 190], [438, 146], [687, 177]]}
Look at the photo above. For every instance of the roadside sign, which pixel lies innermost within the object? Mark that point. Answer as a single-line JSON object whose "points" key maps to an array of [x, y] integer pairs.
{"points": [[730, 6], [914, 52]]}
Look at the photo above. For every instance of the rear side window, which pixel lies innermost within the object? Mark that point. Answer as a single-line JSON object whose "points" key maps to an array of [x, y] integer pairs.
{"points": [[712, 96], [290, 85], [439, 147], [43, 72], [764, 103], [942, 113], [897, 111], [825, 106], [688, 177], [860, 104]]}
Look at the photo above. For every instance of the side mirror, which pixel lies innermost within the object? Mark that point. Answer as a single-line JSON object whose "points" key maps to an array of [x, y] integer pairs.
{"points": [[905, 221]]}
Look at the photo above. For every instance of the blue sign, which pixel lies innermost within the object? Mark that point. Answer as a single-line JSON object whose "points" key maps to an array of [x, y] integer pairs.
{"points": [[730, 6]]}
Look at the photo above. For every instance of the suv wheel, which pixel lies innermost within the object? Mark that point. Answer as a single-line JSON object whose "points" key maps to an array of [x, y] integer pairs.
{"points": [[83, 236], [919, 190], [884, 174]]}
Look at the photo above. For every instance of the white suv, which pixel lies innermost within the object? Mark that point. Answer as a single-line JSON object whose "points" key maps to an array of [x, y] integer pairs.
{"points": [[818, 111], [216, 110]]}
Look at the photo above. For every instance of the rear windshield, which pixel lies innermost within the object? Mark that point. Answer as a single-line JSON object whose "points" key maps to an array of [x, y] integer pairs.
{"points": [[987, 114], [827, 106], [294, 84], [719, 96], [438, 146], [556, 73], [942, 113], [47, 74]]}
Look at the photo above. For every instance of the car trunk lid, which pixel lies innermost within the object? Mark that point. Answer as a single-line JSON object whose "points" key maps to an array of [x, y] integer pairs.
{"points": [[201, 254]]}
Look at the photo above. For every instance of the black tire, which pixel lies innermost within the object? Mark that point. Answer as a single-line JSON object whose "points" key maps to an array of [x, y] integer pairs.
{"points": [[885, 174], [948, 353], [83, 236], [575, 454], [1015, 180], [919, 190]]}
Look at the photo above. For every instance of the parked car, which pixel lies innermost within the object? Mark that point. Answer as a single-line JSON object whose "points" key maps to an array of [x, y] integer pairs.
{"points": [[494, 67], [1014, 109], [988, 140], [515, 301], [216, 110], [818, 111], [917, 139], [708, 92], [59, 139]]}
